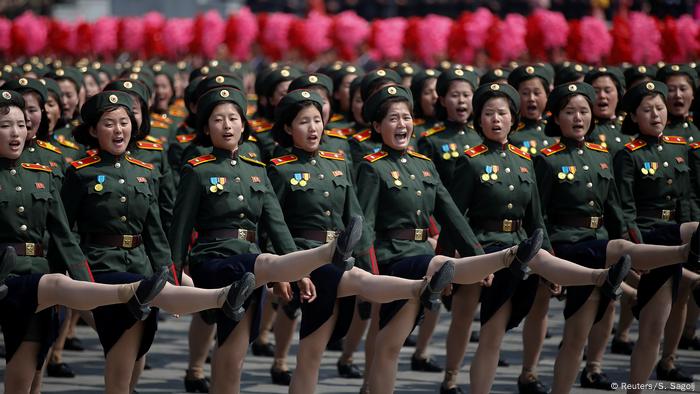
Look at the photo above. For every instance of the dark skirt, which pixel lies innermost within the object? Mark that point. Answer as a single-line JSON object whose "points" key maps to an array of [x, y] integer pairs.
{"points": [[505, 287], [413, 268], [314, 314], [217, 273], [651, 282], [17, 317], [112, 321], [589, 254]]}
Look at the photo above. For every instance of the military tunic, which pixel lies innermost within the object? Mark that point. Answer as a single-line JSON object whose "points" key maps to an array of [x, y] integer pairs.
{"points": [[444, 144], [184, 136], [607, 134], [694, 164], [262, 131], [529, 136], [683, 127], [340, 121], [361, 145], [63, 138]]}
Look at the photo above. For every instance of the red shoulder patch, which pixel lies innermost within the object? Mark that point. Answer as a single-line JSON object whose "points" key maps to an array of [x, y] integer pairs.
{"points": [[674, 140], [185, 138], [695, 145], [332, 155], [148, 145], [636, 144], [363, 135], [476, 151], [558, 147], [599, 148], [36, 167], [139, 162], [201, 160], [87, 161], [376, 156], [48, 146], [278, 161], [519, 152]]}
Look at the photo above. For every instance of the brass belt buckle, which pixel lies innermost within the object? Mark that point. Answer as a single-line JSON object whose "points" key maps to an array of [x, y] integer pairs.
{"points": [[330, 236], [418, 235], [127, 241], [594, 222], [243, 234], [507, 225], [29, 249], [666, 214]]}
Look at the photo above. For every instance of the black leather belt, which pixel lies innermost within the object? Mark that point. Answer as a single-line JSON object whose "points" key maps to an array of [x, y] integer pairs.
{"points": [[236, 233], [124, 241], [324, 236], [408, 234], [663, 214], [26, 249], [503, 226], [594, 222]]}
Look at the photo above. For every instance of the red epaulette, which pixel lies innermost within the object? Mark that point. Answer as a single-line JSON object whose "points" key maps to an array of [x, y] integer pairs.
{"points": [[87, 161], [695, 145], [92, 152], [252, 138], [159, 124], [636, 144], [66, 142], [418, 155], [148, 145], [332, 155], [434, 130], [519, 152], [674, 140], [336, 133], [418, 122], [36, 167], [278, 161], [185, 138], [177, 112], [48, 146], [337, 117], [550, 150], [201, 160], [376, 156], [347, 132], [262, 128], [139, 162], [599, 148], [476, 151], [363, 135]]}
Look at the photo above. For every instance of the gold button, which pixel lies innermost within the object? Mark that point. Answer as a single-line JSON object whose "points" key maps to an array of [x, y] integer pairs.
{"points": [[327, 213], [669, 181], [240, 197], [591, 203], [326, 194], [241, 215], [403, 160], [419, 193], [237, 179], [128, 152], [618, 139], [685, 125], [507, 170], [466, 147], [612, 127], [233, 162], [418, 212], [122, 219], [585, 168], [665, 164], [313, 162], [412, 177], [510, 206], [20, 209], [503, 154], [511, 187], [23, 227], [539, 128], [321, 176], [18, 188], [589, 185], [117, 165], [121, 181], [122, 198], [13, 172]]}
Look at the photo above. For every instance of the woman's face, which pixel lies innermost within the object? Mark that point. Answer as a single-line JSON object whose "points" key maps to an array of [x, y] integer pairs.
{"points": [[104, 79], [164, 92], [533, 98], [343, 92], [357, 104], [13, 133], [306, 129], [69, 97], [496, 119], [113, 131], [53, 111], [326, 104], [605, 97], [680, 95], [458, 101], [92, 86], [225, 127], [575, 118], [32, 110], [279, 92], [651, 116], [396, 127], [136, 110], [428, 97]]}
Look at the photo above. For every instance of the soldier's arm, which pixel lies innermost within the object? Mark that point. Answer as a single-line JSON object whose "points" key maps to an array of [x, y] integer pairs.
{"points": [[273, 220], [368, 188], [623, 165], [185, 215], [156, 243]]}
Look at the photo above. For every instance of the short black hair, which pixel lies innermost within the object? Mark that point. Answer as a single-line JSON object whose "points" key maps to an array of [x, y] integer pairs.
{"points": [[82, 135], [480, 107], [204, 139], [382, 111], [286, 119]]}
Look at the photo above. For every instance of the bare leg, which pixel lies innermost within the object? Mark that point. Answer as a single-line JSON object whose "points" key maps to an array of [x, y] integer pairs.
{"points": [[564, 272], [645, 256], [691, 319], [39, 377], [119, 364], [136, 373], [652, 320], [378, 288], [228, 358], [268, 317], [676, 320], [598, 340], [305, 377], [485, 362], [628, 299], [371, 344], [58, 289], [284, 332], [201, 337], [353, 338], [19, 372], [576, 330], [534, 332], [464, 303], [425, 333], [291, 267], [183, 300], [56, 354]]}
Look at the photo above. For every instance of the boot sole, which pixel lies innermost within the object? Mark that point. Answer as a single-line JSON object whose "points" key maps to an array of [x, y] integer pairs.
{"points": [[438, 282], [234, 307]]}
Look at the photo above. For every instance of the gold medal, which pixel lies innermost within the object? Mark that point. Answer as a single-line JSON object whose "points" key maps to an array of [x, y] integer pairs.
{"points": [[494, 177], [484, 177], [220, 186], [604, 144], [213, 189], [294, 182], [645, 171], [302, 183], [398, 182], [455, 153], [561, 176], [99, 187], [570, 176], [652, 171], [533, 151], [446, 156]]}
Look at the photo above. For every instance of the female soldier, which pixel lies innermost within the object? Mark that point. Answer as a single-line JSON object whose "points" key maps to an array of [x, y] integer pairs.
{"points": [[653, 179], [343, 77], [682, 81], [401, 190], [609, 85], [69, 81], [28, 323], [228, 198], [110, 194], [53, 104], [506, 210], [423, 90], [324, 184], [583, 217]]}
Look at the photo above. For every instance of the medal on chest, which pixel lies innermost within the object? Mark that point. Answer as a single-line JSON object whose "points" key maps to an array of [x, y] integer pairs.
{"points": [[567, 173], [396, 175], [490, 173], [217, 184], [529, 147], [300, 179], [649, 168], [449, 151], [99, 185]]}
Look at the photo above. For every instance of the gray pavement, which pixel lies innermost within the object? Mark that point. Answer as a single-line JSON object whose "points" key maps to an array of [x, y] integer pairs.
{"points": [[168, 356]]}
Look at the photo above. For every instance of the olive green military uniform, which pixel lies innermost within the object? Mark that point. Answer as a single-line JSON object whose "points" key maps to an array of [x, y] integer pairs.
{"points": [[529, 136], [683, 127], [184, 136], [64, 140], [342, 122], [445, 143], [694, 164], [41, 152], [266, 141], [608, 135], [361, 145]]}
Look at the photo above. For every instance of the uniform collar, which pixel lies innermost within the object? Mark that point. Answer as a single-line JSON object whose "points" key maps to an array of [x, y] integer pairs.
{"points": [[302, 154], [110, 158], [570, 142], [456, 125], [494, 145], [393, 152], [8, 163], [224, 153], [676, 120], [651, 139]]}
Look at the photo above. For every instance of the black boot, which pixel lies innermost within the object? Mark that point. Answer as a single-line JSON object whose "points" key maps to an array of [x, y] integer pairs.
{"points": [[281, 377], [527, 250], [595, 380], [7, 264], [59, 370], [430, 297], [237, 294], [349, 371], [194, 385], [345, 243], [148, 289], [675, 374], [616, 274], [621, 347], [263, 349]]}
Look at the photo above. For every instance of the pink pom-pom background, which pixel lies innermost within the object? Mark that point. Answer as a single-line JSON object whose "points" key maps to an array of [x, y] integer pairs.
{"points": [[596, 41], [645, 39], [241, 32], [349, 32], [388, 38]]}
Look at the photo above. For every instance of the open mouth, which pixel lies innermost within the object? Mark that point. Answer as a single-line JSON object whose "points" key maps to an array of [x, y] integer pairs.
{"points": [[578, 127], [401, 137], [532, 107], [15, 144], [678, 104], [118, 141], [496, 129], [312, 138], [603, 105]]}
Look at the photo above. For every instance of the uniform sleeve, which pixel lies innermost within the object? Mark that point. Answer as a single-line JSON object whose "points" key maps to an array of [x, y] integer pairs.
{"points": [[72, 195], [186, 206], [461, 191], [368, 188], [272, 219], [694, 164], [624, 176], [614, 218], [166, 194], [544, 176], [533, 216], [352, 208], [684, 202], [279, 184], [156, 243]]}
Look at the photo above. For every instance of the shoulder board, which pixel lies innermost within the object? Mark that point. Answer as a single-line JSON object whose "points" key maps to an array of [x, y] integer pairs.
{"points": [[332, 155], [434, 130], [252, 161], [337, 117], [674, 140], [695, 145], [418, 155], [48, 146], [376, 156], [558, 147], [92, 152], [68, 143], [521, 126], [363, 135], [599, 148], [278, 161], [150, 138], [336, 133], [258, 122], [252, 138], [87, 161], [476, 151], [75, 122], [177, 112], [159, 124], [36, 167], [148, 145], [636, 144], [139, 162], [201, 160], [418, 122], [262, 128], [185, 138], [519, 152], [162, 118]]}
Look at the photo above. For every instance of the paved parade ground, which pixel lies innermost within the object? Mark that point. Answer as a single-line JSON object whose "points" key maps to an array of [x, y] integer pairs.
{"points": [[168, 357]]}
